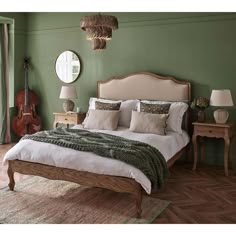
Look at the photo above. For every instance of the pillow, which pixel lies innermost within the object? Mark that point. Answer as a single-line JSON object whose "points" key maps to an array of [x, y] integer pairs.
{"points": [[92, 105], [155, 108], [142, 122], [176, 113], [92, 101], [102, 119], [126, 108], [107, 106]]}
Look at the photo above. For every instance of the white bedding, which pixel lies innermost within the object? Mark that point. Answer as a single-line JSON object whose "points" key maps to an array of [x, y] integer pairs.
{"points": [[50, 154]]}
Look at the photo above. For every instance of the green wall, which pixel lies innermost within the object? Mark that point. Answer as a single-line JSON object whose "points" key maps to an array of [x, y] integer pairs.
{"points": [[198, 47]]}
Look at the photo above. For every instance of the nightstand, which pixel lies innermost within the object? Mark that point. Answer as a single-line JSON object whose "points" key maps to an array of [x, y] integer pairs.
{"points": [[68, 118], [213, 130]]}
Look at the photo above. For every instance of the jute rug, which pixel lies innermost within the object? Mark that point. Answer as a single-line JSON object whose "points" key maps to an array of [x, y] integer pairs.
{"points": [[41, 201]]}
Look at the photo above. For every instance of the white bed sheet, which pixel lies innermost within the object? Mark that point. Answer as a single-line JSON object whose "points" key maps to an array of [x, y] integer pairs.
{"points": [[50, 154]]}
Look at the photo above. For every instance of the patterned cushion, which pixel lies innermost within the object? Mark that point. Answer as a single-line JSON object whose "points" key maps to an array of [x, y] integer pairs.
{"points": [[155, 108], [107, 106]]}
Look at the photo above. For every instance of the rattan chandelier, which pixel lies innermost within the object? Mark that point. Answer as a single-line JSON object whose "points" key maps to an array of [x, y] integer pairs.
{"points": [[99, 29]]}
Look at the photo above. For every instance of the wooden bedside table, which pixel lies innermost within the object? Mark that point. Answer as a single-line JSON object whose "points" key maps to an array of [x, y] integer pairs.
{"points": [[68, 118], [213, 130]]}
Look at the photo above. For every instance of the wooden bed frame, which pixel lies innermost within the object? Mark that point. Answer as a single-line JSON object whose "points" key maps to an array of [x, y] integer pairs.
{"points": [[115, 183]]}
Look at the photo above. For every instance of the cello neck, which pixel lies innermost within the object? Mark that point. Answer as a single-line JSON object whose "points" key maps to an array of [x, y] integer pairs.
{"points": [[26, 66], [26, 89]]}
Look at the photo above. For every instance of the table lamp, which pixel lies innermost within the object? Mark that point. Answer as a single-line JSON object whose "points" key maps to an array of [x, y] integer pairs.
{"points": [[221, 98], [68, 92]]}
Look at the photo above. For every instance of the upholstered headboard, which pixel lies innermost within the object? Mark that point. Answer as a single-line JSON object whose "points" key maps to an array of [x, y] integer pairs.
{"points": [[145, 85]]}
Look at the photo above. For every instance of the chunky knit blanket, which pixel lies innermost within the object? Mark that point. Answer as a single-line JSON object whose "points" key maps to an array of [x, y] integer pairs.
{"points": [[140, 155]]}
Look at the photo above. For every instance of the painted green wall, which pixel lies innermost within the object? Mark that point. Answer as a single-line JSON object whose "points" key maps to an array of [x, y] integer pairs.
{"points": [[198, 47]]}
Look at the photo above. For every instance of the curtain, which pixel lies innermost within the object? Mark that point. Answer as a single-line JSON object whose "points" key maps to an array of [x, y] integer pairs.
{"points": [[5, 135]]}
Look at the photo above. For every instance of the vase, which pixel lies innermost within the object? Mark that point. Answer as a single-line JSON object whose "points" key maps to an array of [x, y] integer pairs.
{"points": [[201, 116]]}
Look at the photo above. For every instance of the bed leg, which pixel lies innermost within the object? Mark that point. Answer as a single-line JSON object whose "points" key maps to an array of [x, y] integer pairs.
{"points": [[138, 196], [11, 177]]}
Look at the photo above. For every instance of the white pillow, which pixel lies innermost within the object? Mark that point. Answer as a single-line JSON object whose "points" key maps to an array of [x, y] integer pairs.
{"points": [[176, 112], [126, 109], [143, 122], [102, 119]]}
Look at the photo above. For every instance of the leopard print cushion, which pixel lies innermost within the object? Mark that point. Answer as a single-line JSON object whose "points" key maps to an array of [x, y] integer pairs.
{"points": [[107, 106], [155, 108]]}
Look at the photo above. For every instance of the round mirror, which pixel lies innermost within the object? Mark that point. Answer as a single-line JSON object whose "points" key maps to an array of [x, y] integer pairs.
{"points": [[67, 67]]}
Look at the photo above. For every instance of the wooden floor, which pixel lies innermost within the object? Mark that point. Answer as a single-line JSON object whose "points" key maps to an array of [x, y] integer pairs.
{"points": [[203, 196]]}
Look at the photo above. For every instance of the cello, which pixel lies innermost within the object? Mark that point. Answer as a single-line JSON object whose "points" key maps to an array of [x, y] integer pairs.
{"points": [[26, 121]]}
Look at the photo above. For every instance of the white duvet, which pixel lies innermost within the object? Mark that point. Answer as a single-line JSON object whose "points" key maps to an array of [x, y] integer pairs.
{"points": [[50, 154]]}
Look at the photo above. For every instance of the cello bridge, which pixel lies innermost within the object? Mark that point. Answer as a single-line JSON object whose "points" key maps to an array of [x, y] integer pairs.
{"points": [[26, 114]]}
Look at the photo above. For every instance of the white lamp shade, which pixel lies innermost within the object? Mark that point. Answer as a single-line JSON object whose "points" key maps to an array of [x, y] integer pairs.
{"points": [[221, 98], [68, 92]]}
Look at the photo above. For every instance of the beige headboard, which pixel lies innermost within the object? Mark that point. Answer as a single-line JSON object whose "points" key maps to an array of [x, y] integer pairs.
{"points": [[144, 85]]}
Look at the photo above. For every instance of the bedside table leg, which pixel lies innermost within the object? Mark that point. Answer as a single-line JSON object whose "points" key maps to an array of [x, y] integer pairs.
{"points": [[201, 148], [231, 153], [195, 151], [55, 124], [190, 153], [226, 155]]}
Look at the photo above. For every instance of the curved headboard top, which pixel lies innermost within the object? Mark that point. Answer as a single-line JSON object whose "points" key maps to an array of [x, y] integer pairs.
{"points": [[144, 85]]}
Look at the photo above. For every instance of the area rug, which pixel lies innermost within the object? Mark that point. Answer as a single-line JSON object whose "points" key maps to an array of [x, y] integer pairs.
{"points": [[41, 201]]}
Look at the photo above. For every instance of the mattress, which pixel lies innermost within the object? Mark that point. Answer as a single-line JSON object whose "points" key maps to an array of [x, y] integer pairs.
{"points": [[50, 154]]}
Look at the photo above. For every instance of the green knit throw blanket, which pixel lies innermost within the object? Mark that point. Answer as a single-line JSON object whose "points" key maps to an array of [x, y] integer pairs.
{"points": [[140, 155]]}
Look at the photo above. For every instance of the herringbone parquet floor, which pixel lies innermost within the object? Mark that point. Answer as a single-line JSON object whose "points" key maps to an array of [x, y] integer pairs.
{"points": [[203, 196]]}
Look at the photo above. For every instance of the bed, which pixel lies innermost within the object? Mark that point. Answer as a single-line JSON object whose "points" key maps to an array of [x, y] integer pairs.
{"points": [[141, 85]]}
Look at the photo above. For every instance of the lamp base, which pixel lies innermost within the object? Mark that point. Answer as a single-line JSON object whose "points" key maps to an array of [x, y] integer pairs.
{"points": [[221, 116], [68, 105]]}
